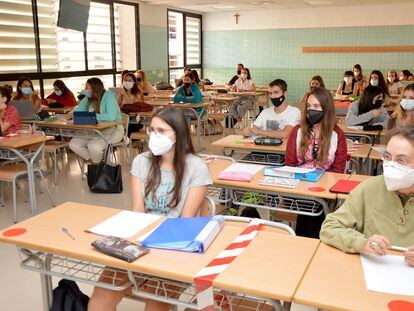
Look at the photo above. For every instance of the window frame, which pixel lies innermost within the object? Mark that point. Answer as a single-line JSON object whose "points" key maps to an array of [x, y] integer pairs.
{"points": [[193, 66], [40, 75]]}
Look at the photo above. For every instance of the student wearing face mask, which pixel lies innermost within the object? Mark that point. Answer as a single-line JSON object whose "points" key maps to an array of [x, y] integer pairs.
{"points": [[143, 82], [377, 79], [315, 82], [371, 224], [104, 104], [369, 110], [61, 96], [406, 77], [169, 180], [26, 91], [359, 78], [316, 143], [348, 86], [403, 114], [10, 121], [236, 76], [276, 121], [241, 104], [130, 92], [395, 87]]}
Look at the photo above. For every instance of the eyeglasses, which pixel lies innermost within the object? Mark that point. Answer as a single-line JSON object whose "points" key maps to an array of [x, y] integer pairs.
{"points": [[158, 131]]}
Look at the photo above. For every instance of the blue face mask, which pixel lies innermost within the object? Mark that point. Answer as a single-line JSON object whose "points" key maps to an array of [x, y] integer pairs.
{"points": [[27, 90], [86, 93]]}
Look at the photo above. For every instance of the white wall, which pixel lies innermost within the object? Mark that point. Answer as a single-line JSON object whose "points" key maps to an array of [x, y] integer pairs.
{"points": [[346, 16]]}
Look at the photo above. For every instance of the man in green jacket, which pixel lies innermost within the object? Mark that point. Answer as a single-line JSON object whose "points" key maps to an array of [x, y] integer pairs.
{"points": [[379, 213]]}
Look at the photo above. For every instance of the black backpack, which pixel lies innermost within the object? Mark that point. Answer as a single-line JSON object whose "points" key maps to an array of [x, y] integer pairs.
{"points": [[68, 297]]}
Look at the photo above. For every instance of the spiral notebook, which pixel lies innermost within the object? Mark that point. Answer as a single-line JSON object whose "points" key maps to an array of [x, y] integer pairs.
{"points": [[288, 183]]}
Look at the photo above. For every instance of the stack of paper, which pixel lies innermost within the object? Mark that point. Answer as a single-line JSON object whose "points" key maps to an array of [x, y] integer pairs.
{"points": [[388, 274], [125, 224], [240, 172]]}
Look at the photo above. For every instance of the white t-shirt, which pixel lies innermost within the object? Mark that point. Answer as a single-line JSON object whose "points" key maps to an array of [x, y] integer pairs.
{"points": [[245, 86], [393, 88], [269, 120]]}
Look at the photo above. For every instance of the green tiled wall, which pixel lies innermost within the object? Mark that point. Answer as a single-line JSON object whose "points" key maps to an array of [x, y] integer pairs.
{"points": [[276, 53], [154, 52]]}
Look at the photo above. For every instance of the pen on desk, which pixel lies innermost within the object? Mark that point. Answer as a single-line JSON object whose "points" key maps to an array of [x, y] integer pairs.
{"points": [[392, 248], [66, 231]]}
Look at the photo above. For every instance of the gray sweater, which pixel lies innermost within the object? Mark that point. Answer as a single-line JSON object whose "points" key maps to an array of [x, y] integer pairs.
{"points": [[352, 117]]}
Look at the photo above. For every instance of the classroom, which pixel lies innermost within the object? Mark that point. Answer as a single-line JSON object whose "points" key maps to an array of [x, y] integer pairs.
{"points": [[206, 155]]}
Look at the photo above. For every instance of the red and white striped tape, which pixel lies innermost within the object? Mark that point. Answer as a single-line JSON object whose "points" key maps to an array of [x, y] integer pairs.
{"points": [[204, 278]]}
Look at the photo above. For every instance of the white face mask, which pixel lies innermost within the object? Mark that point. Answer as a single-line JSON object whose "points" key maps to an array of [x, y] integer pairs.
{"points": [[347, 80], [160, 145], [356, 73], [58, 93], [397, 176], [244, 76], [407, 104], [128, 85], [374, 82]]}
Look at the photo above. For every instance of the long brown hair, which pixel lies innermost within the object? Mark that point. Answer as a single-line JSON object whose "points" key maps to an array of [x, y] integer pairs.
{"points": [[98, 91], [399, 113], [183, 146], [136, 89], [328, 122]]}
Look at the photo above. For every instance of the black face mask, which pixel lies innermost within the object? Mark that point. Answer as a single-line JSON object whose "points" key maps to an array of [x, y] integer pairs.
{"points": [[314, 116], [278, 101], [378, 104], [139, 80], [187, 85], [239, 72]]}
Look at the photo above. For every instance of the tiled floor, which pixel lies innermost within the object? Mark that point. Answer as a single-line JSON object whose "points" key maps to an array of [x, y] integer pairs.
{"points": [[20, 289]]}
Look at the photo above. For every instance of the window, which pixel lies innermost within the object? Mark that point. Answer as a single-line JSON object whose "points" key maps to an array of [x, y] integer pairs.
{"points": [[184, 43], [109, 45], [17, 44]]}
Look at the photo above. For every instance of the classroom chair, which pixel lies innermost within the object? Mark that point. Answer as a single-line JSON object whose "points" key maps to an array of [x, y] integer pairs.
{"points": [[12, 172], [125, 141]]}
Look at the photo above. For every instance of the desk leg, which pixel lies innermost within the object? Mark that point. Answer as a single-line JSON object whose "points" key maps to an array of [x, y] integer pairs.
{"points": [[287, 306], [45, 281], [198, 130], [32, 188]]}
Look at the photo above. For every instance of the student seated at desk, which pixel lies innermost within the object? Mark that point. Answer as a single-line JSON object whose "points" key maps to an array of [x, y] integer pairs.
{"points": [[359, 78], [104, 104], [377, 79], [190, 93], [130, 93], [9, 117], [61, 95], [348, 86], [143, 82], [279, 120], [368, 110], [197, 80], [403, 114], [380, 211], [317, 143], [315, 82], [26, 91], [180, 82], [406, 77], [168, 180], [395, 87], [236, 76], [241, 104]]}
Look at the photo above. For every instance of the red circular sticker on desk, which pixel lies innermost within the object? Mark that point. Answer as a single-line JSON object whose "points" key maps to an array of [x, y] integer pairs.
{"points": [[14, 232], [401, 305], [316, 189]]}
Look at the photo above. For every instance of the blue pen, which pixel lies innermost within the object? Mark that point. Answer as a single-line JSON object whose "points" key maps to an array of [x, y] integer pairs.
{"points": [[65, 230]]}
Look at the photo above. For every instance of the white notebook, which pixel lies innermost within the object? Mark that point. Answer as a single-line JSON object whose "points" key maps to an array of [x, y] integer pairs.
{"points": [[288, 183]]}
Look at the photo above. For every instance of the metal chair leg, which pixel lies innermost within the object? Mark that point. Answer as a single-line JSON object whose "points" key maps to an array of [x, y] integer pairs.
{"points": [[14, 201], [22, 192], [47, 188], [55, 167]]}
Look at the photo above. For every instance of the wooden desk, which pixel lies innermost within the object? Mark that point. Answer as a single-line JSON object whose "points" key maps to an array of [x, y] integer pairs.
{"points": [[69, 124], [234, 142], [370, 136], [376, 155], [62, 110], [335, 281], [269, 272], [326, 182], [23, 140]]}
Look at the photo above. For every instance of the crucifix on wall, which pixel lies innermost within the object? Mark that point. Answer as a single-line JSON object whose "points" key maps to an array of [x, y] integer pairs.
{"points": [[237, 15]]}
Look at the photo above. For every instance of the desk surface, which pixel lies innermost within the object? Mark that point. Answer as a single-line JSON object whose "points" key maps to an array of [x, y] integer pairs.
{"points": [[358, 151], [23, 140], [99, 126], [376, 155], [178, 105], [335, 281], [235, 142], [322, 186], [349, 131], [57, 110], [273, 272]]}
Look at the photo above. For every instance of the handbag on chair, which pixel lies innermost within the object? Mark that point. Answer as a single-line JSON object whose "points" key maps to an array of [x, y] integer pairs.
{"points": [[104, 177]]}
